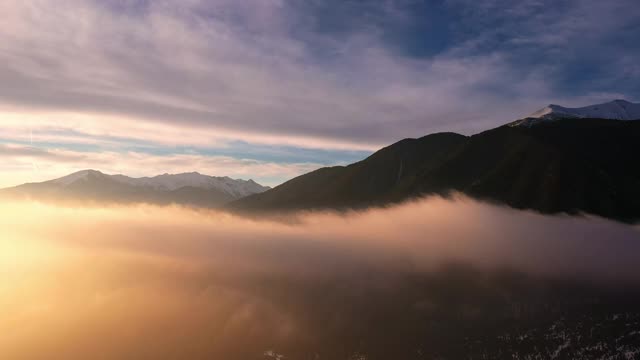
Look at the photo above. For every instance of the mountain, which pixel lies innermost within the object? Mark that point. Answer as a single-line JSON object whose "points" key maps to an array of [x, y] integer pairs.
{"points": [[383, 177], [188, 188], [560, 161], [570, 165], [614, 110]]}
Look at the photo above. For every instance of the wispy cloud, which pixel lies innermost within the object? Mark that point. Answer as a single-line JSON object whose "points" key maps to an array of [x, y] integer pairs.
{"points": [[325, 75], [22, 163]]}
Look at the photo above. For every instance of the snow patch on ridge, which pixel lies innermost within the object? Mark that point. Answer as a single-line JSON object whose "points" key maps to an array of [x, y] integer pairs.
{"points": [[614, 110], [170, 182], [77, 176]]}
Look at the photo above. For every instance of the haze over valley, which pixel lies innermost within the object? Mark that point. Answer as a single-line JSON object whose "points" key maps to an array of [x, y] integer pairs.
{"points": [[319, 180], [172, 282]]}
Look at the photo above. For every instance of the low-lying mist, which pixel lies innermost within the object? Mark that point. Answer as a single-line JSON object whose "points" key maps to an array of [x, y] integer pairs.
{"points": [[146, 282]]}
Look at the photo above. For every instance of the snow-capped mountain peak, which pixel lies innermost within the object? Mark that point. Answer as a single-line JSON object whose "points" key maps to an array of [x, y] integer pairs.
{"points": [[615, 110], [77, 176], [236, 188]]}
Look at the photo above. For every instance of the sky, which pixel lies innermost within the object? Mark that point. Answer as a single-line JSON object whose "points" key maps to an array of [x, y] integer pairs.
{"points": [[271, 89]]}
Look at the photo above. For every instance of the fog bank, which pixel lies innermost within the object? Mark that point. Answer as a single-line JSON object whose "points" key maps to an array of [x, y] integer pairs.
{"points": [[171, 282]]}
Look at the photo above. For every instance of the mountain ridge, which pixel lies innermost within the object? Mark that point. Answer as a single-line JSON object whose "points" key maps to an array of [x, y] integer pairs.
{"points": [[92, 185], [614, 110], [566, 166], [235, 187], [550, 164]]}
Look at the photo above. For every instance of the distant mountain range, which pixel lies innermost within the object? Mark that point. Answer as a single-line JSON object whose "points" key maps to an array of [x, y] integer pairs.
{"points": [[91, 185], [559, 161], [572, 160]]}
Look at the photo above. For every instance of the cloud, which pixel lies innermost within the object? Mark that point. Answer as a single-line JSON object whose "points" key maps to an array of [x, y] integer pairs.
{"points": [[560, 41], [30, 152], [345, 76], [222, 66], [415, 236], [127, 281]]}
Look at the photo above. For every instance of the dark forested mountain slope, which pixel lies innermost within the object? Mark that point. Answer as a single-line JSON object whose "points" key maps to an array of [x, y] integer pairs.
{"points": [[383, 177], [569, 165]]}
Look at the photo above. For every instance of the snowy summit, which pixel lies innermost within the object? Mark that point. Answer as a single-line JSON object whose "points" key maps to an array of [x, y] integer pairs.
{"points": [[615, 110]]}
